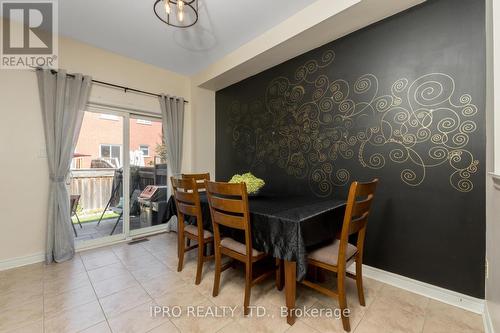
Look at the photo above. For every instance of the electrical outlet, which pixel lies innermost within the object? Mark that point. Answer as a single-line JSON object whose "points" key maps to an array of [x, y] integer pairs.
{"points": [[42, 153]]}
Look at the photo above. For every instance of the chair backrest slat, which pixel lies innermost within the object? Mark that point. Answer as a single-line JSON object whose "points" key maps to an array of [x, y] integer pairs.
{"points": [[225, 189], [182, 184], [187, 198], [362, 207], [229, 207], [186, 209], [365, 189], [230, 221], [199, 178], [358, 223]]}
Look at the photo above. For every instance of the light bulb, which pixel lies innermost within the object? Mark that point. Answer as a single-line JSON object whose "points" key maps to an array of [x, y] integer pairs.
{"points": [[167, 6], [180, 5], [180, 16]]}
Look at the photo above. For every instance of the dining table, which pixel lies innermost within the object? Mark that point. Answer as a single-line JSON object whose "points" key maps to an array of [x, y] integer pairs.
{"points": [[286, 227]]}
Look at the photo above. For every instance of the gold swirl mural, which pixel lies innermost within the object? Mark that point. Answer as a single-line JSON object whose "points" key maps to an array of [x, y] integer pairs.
{"points": [[307, 124]]}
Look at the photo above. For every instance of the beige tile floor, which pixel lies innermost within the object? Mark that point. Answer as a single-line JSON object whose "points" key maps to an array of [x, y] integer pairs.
{"points": [[112, 289]]}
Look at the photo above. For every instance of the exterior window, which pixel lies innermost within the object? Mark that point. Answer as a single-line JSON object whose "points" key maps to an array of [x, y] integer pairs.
{"points": [[144, 122], [111, 153], [145, 150]]}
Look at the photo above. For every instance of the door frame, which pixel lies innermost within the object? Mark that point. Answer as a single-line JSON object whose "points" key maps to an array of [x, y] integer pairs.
{"points": [[126, 113]]}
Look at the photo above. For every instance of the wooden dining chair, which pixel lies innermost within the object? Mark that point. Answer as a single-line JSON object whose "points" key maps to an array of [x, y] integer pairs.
{"points": [[187, 200], [199, 179], [229, 208], [338, 255]]}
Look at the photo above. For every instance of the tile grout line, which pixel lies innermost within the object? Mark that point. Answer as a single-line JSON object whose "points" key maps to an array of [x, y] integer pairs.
{"points": [[367, 308], [57, 294], [98, 300], [140, 284], [133, 276], [377, 295], [425, 314], [229, 323], [171, 322], [353, 329]]}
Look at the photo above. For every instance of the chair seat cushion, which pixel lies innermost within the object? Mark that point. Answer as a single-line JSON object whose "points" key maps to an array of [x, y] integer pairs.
{"points": [[193, 230], [237, 246], [329, 254]]}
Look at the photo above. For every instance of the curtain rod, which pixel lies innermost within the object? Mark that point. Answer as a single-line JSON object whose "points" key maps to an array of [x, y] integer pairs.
{"points": [[125, 89]]}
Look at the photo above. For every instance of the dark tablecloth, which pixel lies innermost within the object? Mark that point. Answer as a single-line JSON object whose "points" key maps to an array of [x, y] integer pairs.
{"points": [[285, 226]]}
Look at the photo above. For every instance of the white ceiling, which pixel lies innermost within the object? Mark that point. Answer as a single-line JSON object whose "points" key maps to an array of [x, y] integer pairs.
{"points": [[130, 28]]}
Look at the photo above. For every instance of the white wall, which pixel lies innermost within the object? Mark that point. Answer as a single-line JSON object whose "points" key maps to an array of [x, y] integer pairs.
{"points": [[23, 170], [493, 162], [203, 108]]}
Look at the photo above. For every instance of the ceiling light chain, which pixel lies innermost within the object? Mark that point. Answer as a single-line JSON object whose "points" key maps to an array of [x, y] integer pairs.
{"points": [[177, 13]]}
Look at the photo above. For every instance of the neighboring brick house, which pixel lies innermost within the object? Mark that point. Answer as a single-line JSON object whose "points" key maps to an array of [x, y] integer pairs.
{"points": [[101, 136]]}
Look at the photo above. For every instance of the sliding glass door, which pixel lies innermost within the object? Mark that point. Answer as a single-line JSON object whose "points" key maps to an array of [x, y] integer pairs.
{"points": [[148, 175], [96, 178], [118, 177]]}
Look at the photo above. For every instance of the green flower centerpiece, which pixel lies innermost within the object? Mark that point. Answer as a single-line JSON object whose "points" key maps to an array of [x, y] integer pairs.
{"points": [[254, 184]]}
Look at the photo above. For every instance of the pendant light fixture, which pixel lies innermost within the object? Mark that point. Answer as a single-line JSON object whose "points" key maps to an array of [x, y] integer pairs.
{"points": [[177, 13]]}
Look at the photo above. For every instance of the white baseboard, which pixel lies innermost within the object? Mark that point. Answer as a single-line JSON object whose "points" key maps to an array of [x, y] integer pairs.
{"points": [[21, 261], [428, 290], [488, 324]]}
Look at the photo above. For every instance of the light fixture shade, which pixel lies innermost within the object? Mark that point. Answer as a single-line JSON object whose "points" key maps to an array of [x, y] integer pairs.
{"points": [[177, 13]]}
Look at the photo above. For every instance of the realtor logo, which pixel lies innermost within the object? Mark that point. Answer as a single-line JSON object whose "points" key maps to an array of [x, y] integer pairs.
{"points": [[29, 34]]}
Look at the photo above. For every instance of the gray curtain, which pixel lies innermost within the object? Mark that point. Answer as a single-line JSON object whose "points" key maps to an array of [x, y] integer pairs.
{"points": [[63, 99], [172, 110]]}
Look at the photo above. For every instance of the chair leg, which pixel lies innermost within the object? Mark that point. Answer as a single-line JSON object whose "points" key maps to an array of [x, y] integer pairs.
{"points": [[279, 274], [199, 269], [248, 286], [78, 219], [359, 282], [116, 223], [74, 229], [343, 301], [180, 243], [215, 291]]}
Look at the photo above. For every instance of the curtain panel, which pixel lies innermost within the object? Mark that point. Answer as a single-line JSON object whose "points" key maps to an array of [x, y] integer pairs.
{"points": [[172, 110], [63, 99]]}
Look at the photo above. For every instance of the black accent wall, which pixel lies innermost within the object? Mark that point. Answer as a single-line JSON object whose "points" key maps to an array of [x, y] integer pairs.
{"points": [[402, 100]]}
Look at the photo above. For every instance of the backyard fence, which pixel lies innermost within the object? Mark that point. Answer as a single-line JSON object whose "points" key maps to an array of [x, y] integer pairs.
{"points": [[94, 187]]}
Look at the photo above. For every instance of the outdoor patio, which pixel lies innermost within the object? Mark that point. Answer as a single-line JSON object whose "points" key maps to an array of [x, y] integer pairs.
{"points": [[90, 230]]}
